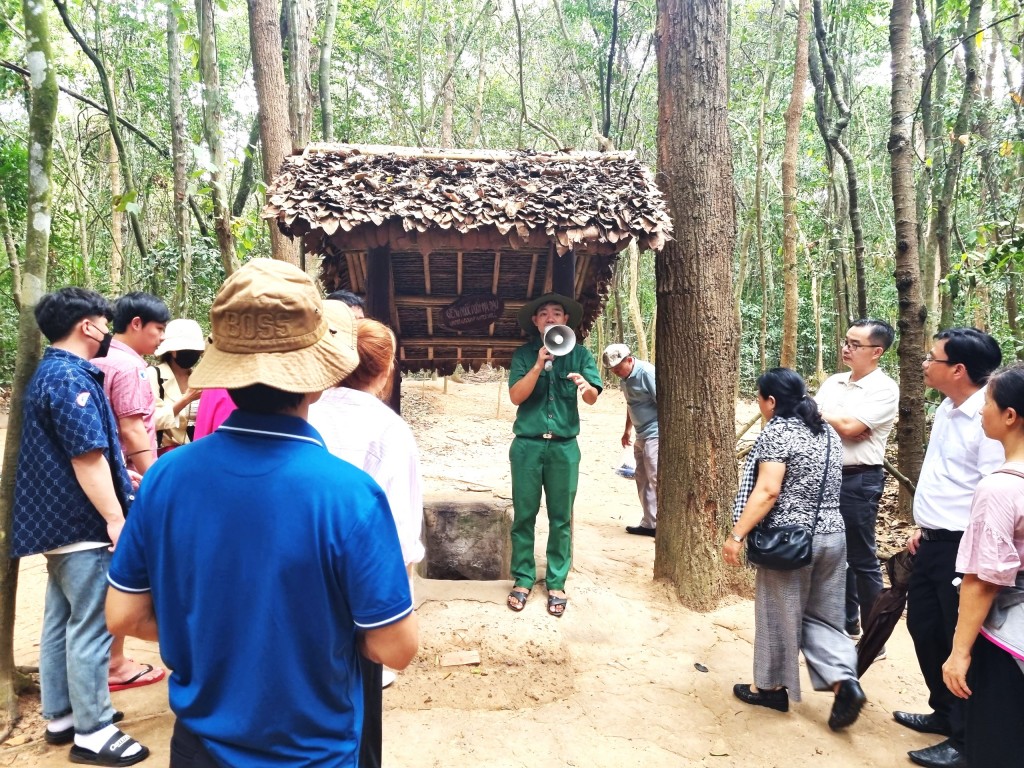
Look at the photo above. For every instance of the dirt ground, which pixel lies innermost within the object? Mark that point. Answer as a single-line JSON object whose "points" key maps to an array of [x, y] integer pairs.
{"points": [[628, 677]]}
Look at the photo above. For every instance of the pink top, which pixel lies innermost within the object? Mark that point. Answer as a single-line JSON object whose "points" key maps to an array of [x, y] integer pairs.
{"points": [[126, 385], [993, 544], [215, 405]]}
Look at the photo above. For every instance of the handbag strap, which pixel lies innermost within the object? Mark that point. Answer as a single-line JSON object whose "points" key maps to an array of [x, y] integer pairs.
{"points": [[824, 477], [1006, 471]]}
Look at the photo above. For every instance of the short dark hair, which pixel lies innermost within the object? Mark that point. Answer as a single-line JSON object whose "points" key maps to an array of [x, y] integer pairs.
{"points": [[791, 398], [145, 306], [57, 313], [880, 332], [348, 298], [975, 350], [263, 399], [1006, 388]]}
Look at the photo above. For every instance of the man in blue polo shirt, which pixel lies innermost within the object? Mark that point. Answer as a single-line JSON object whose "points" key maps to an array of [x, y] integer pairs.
{"points": [[641, 393], [71, 491], [262, 563]]}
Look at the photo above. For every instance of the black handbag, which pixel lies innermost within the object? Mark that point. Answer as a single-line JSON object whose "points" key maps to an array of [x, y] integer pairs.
{"points": [[788, 547]]}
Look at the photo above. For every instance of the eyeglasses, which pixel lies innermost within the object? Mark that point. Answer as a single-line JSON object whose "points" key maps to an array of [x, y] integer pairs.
{"points": [[855, 346], [929, 359]]}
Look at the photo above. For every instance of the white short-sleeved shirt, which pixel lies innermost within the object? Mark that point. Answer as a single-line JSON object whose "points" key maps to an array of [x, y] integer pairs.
{"points": [[873, 400], [360, 429], [958, 456]]}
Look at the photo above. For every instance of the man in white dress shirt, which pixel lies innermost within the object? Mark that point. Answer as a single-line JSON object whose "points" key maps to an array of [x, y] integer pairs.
{"points": [[861, 405], [958, 456]]}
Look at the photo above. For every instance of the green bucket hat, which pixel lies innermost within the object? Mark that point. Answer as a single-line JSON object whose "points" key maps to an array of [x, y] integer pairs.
{"points": [[572, 308]]}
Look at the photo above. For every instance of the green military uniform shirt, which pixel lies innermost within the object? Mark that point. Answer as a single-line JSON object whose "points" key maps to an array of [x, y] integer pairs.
{"points": [[552, 407]]}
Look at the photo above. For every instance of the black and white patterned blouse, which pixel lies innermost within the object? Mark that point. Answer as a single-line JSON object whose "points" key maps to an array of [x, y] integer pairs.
{"points": [[790, 442]]}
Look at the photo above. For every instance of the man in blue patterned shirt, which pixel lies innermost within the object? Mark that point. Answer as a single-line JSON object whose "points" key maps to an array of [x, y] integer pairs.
{"points": [[71, 493]]}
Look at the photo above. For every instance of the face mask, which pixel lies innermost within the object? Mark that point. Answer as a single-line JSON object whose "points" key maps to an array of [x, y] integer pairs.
{"points": [[105, 344], [187, 358]]}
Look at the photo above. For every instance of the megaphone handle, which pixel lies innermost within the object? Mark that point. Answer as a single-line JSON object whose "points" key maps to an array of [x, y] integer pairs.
{"points": [[547, 365]]}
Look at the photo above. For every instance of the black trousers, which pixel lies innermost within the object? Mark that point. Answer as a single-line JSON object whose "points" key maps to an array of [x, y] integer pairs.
{"points": [[932, 603], [188, 751], [995, 710], [858, 504], [370, 743]]}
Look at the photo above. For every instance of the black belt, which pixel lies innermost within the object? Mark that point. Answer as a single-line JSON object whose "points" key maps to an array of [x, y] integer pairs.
{"points": [[938, 534], [548, 436], [856, 469]]}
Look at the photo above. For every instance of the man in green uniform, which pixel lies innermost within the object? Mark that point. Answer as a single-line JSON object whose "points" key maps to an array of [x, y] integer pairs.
{"points": [[544, 453]]}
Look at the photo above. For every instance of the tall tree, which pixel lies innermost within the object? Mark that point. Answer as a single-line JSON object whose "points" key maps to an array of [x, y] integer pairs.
{"points": [[695, 333], [272, 96], [179, 204], [790, 265], [910, 428], [42, 114], [326, 51], [297, 21], [212, 131]]}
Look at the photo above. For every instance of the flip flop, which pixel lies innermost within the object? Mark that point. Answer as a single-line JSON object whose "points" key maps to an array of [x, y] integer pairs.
{"points": [[556, 602], [517, 599], [137, 681], [112, 752], [68, 734]]}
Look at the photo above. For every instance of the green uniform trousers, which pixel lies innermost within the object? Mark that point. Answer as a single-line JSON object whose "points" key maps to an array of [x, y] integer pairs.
{"points": [[554, 466]]}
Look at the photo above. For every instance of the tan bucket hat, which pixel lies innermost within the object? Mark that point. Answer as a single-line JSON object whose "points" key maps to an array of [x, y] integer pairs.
{"points": [[270, 326], [572, 308]]}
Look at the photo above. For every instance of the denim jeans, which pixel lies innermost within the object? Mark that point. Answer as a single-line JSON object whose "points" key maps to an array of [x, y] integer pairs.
{"points": [[74, 652]]}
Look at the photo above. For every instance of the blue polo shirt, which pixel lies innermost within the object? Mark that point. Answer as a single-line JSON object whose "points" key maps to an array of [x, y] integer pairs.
{"points": [[641, 393], [264, 555], [66, 415]]}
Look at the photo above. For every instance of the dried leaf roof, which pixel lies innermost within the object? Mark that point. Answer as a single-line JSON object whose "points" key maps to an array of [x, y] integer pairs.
{"points": [[589, 201]]}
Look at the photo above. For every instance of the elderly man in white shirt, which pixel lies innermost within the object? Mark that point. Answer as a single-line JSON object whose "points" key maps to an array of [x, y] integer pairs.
{"points": [[958, 456], [861, 406]]}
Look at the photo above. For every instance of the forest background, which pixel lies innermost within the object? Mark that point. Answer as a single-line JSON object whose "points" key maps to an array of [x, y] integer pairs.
{"points": [[542, 75]]}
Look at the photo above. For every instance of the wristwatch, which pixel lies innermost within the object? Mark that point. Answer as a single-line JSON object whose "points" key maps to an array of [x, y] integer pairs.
{"points": [[734, 537]]}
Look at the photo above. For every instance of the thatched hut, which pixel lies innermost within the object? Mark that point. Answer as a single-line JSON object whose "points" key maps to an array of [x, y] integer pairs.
{"points": [[448, 244]]}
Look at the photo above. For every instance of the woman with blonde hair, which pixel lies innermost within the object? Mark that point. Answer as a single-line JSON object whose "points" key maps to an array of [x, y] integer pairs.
{"points": [[360, 428]]}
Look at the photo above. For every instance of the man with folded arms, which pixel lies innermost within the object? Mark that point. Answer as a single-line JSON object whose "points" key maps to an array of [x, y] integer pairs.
{"points": [[861, 405], [958, 456], [265, 582]]}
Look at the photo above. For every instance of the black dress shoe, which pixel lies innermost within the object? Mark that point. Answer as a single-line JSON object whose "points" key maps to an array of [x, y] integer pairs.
{"points": [[850, 699], [778, 700], [933, 723], [640, 530], [943, 755]]}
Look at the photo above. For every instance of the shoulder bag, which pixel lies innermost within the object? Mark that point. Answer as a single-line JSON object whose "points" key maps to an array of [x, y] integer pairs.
{"points": [[788, 547]]}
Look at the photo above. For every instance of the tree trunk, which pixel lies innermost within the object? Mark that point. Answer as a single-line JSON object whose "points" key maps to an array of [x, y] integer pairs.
{"points": [[299, 15], [116, 219], [12, 252], [326, 51], [910, 428], [247, 179], [182, 231], [790, 269], [635, 316], [448, 92], [42, 115], [272, 97], [694, 286], [944, 205], [129, 201], [210, 72]]}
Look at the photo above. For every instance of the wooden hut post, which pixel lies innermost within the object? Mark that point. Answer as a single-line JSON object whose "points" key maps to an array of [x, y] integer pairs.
{"points": [[563, 278], [378, 306]]}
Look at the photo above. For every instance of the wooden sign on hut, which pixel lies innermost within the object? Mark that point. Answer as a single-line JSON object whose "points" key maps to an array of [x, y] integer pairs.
{"points": [[447, 245]]}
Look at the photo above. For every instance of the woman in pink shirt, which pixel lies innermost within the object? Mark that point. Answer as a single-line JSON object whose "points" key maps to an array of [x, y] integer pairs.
{"points": [[986, 666]]}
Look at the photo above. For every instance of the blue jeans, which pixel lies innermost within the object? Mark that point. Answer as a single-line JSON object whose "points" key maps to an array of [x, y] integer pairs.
{"points": [[74, 652]]}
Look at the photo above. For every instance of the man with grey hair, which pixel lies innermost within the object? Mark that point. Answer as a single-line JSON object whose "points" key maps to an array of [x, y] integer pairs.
{"points": [[641, 393]]}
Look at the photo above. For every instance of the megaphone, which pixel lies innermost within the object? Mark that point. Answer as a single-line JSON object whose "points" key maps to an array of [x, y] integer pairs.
{"points": [[558, 340]]}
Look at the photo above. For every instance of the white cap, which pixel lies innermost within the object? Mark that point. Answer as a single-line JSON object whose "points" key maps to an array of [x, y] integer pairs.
{"points": [[615, 354], [181, 334]]}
